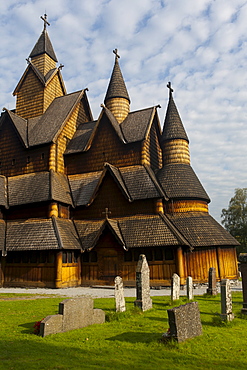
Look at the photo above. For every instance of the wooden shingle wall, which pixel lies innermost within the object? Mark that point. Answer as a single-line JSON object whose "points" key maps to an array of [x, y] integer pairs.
{"points": [[151, 151], [30, 97], [15, 159], [186, 206], [52, 91], [119, 107], [44, 63], [176, 151], [78, 116]]}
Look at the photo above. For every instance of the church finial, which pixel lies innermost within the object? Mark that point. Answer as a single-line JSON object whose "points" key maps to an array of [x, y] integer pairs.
{"points": [[169, 85], [45, 21], [115, 51]]}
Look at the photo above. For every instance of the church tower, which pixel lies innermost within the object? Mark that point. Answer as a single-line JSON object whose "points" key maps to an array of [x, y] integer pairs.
{"points": [[117, 98], [42, 81]]}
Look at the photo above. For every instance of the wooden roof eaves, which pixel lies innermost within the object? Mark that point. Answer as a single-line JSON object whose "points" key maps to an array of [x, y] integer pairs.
{"points": [[68, 115], [123, 188], [88, 146], [155, 181], [116, 126], [120, 239], [176, 232], [36, 72], [107, 222], [9, 113], [57, 233], [88, 105], [57, 71], [151, 122]]}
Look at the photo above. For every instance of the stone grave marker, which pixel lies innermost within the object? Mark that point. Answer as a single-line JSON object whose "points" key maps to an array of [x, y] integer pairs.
{"points": [[184, 322], [189, 286], [212, 290], [143, 299], [243, 268], [226, 300], [73, 314], [119, 294], [175, 287]]}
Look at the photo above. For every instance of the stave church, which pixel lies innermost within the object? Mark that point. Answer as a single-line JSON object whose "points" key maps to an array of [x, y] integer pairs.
{"points": [[82, 198]]}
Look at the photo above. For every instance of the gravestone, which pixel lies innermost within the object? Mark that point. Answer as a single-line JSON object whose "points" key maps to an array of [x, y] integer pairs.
{"points": [[189, 286], [243, 268], [226, 300], [212, 290], [119, 294], [184, 322], [175, 287], [143, 299], [73, 314]]}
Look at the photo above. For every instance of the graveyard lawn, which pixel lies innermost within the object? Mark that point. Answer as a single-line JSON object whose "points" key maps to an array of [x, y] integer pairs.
{"points": [[128, 340]]}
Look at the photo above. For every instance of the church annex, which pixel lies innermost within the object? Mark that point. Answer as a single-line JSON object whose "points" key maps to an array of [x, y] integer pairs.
{"points": [[82, 198]]}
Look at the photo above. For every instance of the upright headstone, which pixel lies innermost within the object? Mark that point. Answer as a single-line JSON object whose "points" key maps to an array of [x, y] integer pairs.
{"points": [[243, 268], [184, 322], [143, 299], [189, 286], [212, 290], [119, 294], [175, 288], [226, 300]]}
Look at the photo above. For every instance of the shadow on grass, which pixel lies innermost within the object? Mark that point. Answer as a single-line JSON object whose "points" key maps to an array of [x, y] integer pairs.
{"points": [[29, 329], [136, 337]]}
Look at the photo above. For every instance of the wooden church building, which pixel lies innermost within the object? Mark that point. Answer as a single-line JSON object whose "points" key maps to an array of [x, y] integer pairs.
{"points": [[81, 199]]}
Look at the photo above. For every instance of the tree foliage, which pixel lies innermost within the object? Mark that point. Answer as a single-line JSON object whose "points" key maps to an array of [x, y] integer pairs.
{"points": [[234, 218]]}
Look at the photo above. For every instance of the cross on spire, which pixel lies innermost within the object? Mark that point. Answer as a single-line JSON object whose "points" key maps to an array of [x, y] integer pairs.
{"points": [[107, 212], [45, 21], [170, 88], [115, 51]]}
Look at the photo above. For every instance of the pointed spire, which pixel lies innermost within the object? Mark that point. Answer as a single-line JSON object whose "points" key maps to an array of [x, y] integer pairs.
{"points": [[116, 87], [44, 45], [173, 126]]}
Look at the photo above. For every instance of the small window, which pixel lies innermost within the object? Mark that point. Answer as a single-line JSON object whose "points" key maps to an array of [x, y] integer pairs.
{"points": [[34, 257], [93, 256], [25, 257], [69, 257], [42, 156], [42, 257], [169, 255], [28, 159], [13, 162], [128, 256], [149, 255], [51, 257], [64, 257], [158, 255], [136, 255], [85, 257]]}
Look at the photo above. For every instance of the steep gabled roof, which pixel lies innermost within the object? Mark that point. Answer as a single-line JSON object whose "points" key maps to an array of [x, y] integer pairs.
{"points": [[201, 230], [20, 125], [178, 180], [116, 87], [173, 126], [52, 121], [135, 182], [132, 232], [38, 187], [41, 234], [42, 46], [134, 128]]}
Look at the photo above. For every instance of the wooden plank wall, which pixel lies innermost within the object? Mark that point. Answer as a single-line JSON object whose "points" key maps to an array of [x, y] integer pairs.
{"points": [[29, 275]]}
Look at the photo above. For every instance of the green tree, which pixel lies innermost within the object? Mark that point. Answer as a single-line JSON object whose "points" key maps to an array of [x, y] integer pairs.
{"points": [[234, 218]]}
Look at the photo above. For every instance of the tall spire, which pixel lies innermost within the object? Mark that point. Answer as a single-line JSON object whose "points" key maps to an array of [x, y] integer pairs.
{"points": [[43, 45], [174, 137], [117, 98]]}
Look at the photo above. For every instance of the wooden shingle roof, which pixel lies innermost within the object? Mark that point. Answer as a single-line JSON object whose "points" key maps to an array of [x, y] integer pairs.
{"points": [[52, 121], [38, 187], [116, 87], [135, 182], [178, 180], [42, 46], [201, 230], [134, 231], [173, 126], [41, 234]]}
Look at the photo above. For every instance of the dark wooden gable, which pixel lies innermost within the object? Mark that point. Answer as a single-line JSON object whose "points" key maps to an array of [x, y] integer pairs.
{"points": [[106, 146]]}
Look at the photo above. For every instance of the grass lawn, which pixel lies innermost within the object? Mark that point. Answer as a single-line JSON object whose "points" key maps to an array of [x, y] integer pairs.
{"points": [[130, 340]]}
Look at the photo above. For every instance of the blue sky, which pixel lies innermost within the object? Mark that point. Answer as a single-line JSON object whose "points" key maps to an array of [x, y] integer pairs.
{"points": [[200, 46]]}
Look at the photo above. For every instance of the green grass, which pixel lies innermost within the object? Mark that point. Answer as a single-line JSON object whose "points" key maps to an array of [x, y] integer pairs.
{"points": [[130, 340]]}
